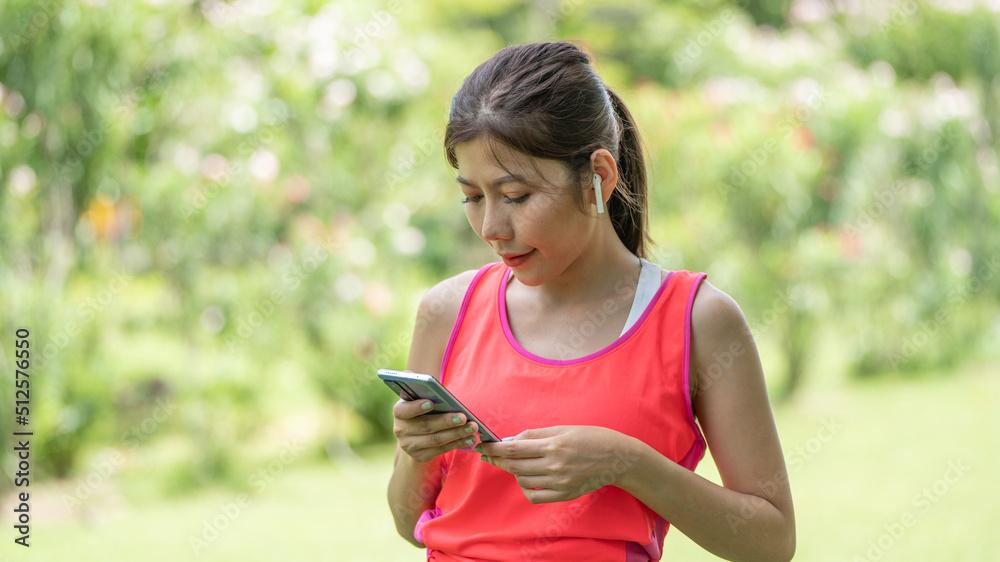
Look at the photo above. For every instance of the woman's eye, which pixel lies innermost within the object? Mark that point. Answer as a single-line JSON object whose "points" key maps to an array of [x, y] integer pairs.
{"points": [[477, 198]]}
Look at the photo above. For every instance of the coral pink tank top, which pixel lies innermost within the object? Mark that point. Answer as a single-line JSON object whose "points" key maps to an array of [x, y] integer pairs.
{"points": [[638, 385]]}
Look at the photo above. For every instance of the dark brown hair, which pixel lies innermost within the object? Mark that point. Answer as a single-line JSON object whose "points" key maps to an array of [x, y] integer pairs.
{"points": [[546, 101]]}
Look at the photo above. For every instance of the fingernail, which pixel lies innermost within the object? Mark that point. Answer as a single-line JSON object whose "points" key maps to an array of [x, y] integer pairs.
{"points": [[470, 441], [426, 406], [482, 458], [457, 419], [468, 429], [479, 448]]}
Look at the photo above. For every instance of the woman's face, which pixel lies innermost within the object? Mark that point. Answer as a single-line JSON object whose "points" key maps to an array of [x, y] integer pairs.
{"points": [[525, 209]]}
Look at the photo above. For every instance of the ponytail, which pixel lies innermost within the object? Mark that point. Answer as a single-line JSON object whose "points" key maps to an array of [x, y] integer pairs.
{"points": [[627, 206]]}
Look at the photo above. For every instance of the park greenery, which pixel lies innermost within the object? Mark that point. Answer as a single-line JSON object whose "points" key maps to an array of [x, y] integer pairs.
{"points": [[217, 218]]}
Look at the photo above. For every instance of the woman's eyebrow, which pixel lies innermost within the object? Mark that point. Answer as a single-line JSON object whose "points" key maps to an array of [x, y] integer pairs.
{"points": [[496, 183]]}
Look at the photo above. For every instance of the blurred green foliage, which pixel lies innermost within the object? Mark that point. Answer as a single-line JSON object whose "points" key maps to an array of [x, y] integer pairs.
{"points": [[217, 218]]}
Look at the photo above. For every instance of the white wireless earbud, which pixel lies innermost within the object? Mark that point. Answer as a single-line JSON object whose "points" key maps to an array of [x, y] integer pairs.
{"points": [[598, 195]]}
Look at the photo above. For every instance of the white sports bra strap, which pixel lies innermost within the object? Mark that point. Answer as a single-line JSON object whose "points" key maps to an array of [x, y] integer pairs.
{"points": [[649, 283]]}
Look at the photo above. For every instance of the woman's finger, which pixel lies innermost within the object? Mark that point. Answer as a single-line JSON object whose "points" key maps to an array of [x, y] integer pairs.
{"points": [[427, 424], [409, 409], [516, 449], [520, 467], [537, 481], [423, 448], [544, 495], [466, 433]]}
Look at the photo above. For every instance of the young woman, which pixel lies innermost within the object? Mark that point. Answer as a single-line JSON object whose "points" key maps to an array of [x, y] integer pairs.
{"points": [[594, 360]]}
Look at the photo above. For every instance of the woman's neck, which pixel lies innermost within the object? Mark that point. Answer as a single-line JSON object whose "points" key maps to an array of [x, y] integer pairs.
{"points": [[605, 269]]}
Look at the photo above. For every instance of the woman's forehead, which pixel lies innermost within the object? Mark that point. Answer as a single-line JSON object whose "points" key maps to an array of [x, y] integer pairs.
{"points": [[484, 161]]}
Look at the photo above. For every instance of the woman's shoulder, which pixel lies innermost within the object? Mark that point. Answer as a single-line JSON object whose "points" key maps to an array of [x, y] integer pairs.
{"points": [[447, 295], [715, 312], [715, 317], [719, 333], [440, 305], [436, 316]]}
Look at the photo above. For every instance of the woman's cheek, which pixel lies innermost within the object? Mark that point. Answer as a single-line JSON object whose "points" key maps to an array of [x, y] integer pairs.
{"points": [[475, 220], [539, 214]]}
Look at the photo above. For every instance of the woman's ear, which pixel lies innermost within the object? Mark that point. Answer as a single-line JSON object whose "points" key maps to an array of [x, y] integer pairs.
{"points": [[604, 172]]}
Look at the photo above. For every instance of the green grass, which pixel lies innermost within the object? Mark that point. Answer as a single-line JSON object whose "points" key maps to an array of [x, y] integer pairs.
{"points": [[886, 442]]}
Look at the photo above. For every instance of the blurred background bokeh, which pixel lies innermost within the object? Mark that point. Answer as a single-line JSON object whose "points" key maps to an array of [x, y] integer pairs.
{"points": [[217, 219]]}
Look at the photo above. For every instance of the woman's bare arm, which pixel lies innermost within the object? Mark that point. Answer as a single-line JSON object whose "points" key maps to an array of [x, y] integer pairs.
{"points": [[751, 517], [414, 485]]}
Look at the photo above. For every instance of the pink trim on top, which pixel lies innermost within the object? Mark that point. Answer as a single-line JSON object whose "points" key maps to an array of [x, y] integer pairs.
{"points": [[502, 296], [460, 318], [654, 550], [635, 552], [697, 450], [427, 515]]}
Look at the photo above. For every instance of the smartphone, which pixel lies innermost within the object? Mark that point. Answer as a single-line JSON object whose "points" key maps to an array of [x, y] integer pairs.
{"points": [[415, 386]]}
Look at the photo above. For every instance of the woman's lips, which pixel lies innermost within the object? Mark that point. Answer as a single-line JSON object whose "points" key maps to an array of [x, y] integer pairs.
{"points": [[517, 261]]}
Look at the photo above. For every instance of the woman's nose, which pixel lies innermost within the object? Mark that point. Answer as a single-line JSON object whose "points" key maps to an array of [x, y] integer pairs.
{"points": [[496, 222]]}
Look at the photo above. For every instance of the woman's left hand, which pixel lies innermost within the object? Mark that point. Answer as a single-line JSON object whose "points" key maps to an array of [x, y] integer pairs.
{"points": [[562, 463]]}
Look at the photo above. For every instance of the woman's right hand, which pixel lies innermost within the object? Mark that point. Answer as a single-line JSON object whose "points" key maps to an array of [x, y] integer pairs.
{"points": [[424, 435]]}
